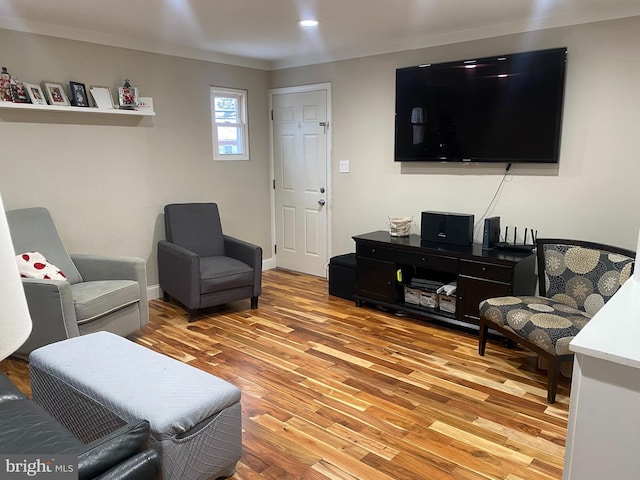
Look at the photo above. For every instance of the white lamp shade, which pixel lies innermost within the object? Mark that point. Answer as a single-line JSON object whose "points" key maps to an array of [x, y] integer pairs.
{"points": [[15, 321]]}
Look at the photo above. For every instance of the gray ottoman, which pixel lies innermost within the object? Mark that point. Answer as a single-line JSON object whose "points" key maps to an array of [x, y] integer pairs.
{"points": [[95, 383]]}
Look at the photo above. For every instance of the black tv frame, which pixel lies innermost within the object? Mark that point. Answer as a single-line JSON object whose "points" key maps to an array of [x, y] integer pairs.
{"points": [[503, 108]]}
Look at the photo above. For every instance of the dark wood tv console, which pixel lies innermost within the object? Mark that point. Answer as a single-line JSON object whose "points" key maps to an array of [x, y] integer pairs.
{"points": [[386, 264]]}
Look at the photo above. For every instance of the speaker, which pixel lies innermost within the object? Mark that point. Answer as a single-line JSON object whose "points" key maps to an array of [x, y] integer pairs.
{"points": [[491, 232], [447, 228]]}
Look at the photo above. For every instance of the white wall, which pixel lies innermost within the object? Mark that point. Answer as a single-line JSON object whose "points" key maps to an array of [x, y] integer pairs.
{"points": [[590, 195], [106, 180]]}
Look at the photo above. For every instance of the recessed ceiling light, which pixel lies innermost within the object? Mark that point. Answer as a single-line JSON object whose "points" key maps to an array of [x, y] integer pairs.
{"points": [[308, 23]]}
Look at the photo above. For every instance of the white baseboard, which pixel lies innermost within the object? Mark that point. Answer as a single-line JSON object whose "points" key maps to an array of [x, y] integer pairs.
{"points": [[154, 291], [268, 264]]}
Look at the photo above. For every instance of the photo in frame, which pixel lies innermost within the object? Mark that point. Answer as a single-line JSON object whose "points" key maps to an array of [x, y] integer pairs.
{"points": [[18, 92], [35, 94], [55, 94], [79, 96], [102, 97]]}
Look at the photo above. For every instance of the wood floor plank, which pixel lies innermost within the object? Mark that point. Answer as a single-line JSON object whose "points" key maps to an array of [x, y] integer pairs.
{"points": [[331, 391]]}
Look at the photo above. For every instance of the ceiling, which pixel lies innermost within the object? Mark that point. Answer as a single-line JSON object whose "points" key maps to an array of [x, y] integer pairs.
{"points": [[264, 34]]}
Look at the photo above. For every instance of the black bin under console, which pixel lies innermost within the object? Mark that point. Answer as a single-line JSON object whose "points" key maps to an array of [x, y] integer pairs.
{"points": [[342, 276]]}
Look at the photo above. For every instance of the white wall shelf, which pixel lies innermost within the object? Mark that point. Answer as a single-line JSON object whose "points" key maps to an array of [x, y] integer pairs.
{"points": [[55, 108]]}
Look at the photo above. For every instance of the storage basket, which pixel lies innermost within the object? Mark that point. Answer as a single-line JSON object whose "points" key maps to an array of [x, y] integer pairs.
{"points": [[447, 303], [411, 295], [400, 226], [429, 299]]}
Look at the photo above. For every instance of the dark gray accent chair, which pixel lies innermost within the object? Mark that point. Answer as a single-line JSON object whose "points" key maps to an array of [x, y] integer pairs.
{"points": [[576, 278], [199, 266], [100, 294]]}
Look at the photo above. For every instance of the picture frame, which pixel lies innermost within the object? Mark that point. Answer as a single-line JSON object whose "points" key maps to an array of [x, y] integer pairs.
{"points": [[19, 92], [102, 97], [55, 93], [79, 97], [35, 94]]}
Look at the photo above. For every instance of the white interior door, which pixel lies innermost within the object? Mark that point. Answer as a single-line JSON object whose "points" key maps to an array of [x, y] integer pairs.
{"points": [[300, 146]]}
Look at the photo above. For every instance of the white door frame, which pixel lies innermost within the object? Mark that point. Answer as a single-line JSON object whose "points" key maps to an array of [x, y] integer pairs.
{"points": [[329, 195]]}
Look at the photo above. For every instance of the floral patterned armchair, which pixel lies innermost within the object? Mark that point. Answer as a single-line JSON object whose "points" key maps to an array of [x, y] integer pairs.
{"points": [[576, 279]]}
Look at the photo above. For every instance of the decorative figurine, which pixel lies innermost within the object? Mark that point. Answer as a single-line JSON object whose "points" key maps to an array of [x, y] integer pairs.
{"points": [[5, 86], [128, 96]]}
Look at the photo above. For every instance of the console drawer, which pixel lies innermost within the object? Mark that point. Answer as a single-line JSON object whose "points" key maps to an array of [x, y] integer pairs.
{"points": [[374, 252], [428, 261], [488, 271]]}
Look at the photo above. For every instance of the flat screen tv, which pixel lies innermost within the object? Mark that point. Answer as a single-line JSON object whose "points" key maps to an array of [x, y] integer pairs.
{"points": [[505, 108]]}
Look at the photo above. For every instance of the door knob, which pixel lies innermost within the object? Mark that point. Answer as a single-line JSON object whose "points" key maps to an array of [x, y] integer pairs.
{"points": [[321, 202]]}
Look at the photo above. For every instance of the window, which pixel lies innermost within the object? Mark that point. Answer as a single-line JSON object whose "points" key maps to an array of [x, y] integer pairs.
{"points": [[229, 121]]}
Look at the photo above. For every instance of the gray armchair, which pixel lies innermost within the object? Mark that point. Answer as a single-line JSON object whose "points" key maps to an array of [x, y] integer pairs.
{"points": [[100, 293], [201, 267]]}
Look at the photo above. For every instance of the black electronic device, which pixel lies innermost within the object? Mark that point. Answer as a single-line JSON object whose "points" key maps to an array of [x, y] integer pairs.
{"points": [[505, 108], [491, 232], [446, 228], [515, 246]]}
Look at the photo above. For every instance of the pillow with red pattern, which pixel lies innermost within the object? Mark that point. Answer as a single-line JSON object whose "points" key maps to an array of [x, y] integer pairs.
{"points": [[34, 265]]}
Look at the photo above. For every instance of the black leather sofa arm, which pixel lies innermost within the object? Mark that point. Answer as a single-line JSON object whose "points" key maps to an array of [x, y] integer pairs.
{"points": [[26, 428], [124, 443], [8, 391], [143, 466]]}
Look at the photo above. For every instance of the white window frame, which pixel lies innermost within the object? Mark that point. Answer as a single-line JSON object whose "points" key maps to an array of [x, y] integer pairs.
{"points": [[242, 123]]}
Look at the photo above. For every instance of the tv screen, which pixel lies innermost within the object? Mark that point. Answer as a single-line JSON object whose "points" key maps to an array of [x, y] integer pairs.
{"points": [[505, 108]]}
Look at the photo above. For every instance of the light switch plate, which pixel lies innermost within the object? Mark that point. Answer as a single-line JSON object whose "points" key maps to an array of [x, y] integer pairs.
{"points": [[344, 166]]}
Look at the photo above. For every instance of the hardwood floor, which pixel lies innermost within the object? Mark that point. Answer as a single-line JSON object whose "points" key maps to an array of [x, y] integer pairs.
{"points": [[332, 391]]}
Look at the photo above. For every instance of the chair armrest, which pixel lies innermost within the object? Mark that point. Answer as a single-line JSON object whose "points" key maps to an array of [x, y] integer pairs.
{"points": [[143, 466], [96, 267], [111, 450], [244, 251], [179, 273], [52, 312], [248, 253]]}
